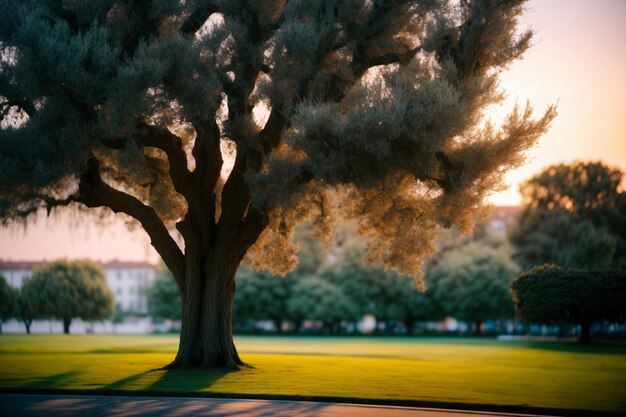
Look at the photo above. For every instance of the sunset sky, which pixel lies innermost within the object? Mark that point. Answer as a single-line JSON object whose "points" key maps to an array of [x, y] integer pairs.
{"points": [[578, 61]]}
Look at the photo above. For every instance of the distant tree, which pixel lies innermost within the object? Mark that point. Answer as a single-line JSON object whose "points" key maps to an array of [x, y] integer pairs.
{"points": [[368, 286], [262, 296], [411, 304], [8, 301], [135, 106], [471, 283], [573, 216], [23, 310], [164, 297], [313, 298], [66, 290], [549, 294]]}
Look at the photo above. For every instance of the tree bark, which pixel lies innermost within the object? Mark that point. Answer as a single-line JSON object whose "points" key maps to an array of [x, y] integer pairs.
{"points": [[206, 339], [66, 325], [27, 324], [585, 333]]}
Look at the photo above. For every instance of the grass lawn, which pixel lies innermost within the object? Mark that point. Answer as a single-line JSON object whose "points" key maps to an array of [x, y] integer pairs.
{"points": [[542, 375]]}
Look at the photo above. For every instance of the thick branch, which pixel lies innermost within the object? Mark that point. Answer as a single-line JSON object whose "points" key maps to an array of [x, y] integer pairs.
{"points": [[235, 196], [93, 192], [208, 156], [402, 58], [172, 145]]}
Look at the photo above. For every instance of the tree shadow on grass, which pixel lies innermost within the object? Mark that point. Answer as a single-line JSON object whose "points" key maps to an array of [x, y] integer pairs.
{"points": [[186, 380], [50, 381], [172, 380], [122, 383]]}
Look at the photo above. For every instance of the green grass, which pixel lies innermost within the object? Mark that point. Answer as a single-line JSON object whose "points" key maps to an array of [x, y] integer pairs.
{"points": [[545, 375]]}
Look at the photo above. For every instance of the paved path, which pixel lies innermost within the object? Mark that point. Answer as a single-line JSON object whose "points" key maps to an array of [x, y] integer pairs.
{"points": [[27, 405]]}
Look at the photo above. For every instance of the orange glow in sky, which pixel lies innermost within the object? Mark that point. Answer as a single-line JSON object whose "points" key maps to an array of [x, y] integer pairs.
{"points": [[578, 61]]}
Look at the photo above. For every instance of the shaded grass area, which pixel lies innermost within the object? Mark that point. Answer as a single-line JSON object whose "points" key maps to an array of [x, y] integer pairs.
{"points": [[514, 374]]}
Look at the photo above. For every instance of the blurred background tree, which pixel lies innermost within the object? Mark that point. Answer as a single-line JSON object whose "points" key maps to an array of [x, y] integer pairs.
{"points": [[317, 299], [23, 311], [66, 290], [262, 296], [8, 301], [573, 215], [471, 283], [549, 294], [164, 301]]}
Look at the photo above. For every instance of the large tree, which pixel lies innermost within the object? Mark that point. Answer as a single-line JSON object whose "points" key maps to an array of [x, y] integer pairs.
{"points": [[66, 290], [231, 119], [574, 215]]}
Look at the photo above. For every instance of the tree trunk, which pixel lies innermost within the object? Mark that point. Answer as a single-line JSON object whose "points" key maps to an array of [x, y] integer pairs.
{"points": [[585, 333], [206, 339], [278, 323], [477, 329], [66, 325], [410, 324], [27, 324]]}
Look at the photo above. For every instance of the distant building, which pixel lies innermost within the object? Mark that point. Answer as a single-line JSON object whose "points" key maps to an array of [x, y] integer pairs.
{"points": [[127, 280]]}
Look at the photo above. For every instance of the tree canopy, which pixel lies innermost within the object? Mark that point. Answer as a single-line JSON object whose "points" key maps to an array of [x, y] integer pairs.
{"points": [[66, 290], [232, 120], [574, 216], [549, 294]]}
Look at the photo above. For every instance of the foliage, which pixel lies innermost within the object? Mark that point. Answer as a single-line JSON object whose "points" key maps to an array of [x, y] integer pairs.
{"points": [[234, 120], [549, 294], [8, 301], [574, 216], [370, 287], [111, 94], [471, 283], [411, 304], [164, 300], [262, 296], [68, 289], [316, 299]]}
